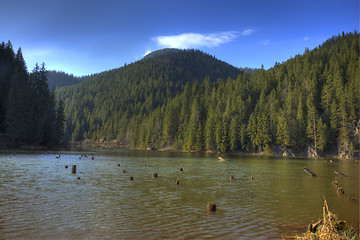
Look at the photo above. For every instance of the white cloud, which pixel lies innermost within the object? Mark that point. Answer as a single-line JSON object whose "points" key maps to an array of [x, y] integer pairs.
{"points": [[306, 38], [195, 40], [146, 53], [266, 42], [247, 32]]}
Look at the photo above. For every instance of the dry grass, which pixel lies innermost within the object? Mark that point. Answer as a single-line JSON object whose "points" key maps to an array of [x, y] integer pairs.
{"points": [[329, 228]]}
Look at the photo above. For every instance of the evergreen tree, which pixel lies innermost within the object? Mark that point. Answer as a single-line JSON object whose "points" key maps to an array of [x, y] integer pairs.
{"points": [[17, 114]]}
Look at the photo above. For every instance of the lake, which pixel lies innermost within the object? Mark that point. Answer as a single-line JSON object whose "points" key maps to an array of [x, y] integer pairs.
{"points": [[41, 199]]}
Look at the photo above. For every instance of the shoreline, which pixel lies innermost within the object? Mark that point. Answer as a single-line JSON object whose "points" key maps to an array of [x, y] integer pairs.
{"points": [[114, 144]]}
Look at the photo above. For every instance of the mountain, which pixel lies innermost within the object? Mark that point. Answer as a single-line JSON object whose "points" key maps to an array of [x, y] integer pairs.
{"points": [[161, 52], [190, 101], [106, 103], [60, 79]]}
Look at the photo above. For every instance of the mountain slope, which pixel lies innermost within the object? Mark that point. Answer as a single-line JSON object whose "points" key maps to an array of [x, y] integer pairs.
{"points": [[104, 105], [308, 105], [60, 79]]}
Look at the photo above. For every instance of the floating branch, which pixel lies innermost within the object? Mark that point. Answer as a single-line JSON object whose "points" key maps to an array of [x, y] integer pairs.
{"points": [[340, 173], [219, 188], [309, 172]]}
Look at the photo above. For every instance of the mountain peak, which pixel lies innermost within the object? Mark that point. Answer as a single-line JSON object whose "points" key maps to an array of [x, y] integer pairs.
{"points": [[161, 52]]}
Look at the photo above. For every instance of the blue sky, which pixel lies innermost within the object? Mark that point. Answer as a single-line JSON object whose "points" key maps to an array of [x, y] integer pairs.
{"points": [[85, 37]]}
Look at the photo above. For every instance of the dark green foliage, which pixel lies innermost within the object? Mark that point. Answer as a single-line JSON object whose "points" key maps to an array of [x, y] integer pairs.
{"points": [[105, 105], [7, 57], [27, 108], [188, 100], [60, 79]]}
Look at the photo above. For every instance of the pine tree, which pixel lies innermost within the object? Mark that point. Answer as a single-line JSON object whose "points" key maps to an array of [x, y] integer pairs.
{"points": [[17, 114], [60, 122]]}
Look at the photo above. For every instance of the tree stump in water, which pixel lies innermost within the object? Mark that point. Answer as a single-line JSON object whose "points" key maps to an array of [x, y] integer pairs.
{"points": [[73, 169], [131, 178], [154, 175], [232, 177], [181, 169], [177, 182], [340, 191], [123, 171], [211, 207], [66, 166]]}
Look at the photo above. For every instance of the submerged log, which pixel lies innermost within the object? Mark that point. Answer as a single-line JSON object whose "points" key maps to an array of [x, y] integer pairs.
{"points": [[221, 159], [211, 207], [340, 173], [309, 172]]}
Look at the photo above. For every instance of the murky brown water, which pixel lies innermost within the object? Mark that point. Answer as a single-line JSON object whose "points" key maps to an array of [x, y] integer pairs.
{"points": [[41, 199]]}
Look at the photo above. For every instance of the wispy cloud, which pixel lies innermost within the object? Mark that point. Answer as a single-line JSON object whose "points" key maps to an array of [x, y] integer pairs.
{"points": [[36, 52], [247, 32], [195, 40], [306, 38], [146, 53], [266, 42]]}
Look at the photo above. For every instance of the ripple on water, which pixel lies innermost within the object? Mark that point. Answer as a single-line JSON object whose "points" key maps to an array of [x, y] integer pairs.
{"points": [[42, 199]]}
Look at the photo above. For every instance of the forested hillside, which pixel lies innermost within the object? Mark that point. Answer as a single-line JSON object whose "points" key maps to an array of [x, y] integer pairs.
{"points": [[308, 103], [105, 104], [57, 79]]}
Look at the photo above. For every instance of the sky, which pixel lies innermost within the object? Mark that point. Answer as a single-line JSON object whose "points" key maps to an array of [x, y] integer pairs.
{"points": [[83, 37]]}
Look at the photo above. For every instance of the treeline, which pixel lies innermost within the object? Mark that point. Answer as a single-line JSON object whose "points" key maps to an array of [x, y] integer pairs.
{"points": [[104, 104], [56, 79], [309, 102], [29, 113]]}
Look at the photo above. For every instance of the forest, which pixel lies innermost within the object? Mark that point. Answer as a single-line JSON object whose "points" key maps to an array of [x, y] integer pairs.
{"points": [[188, 100], [29, 112]]}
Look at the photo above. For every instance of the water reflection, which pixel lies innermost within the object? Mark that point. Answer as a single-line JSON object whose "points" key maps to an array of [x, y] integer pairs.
{"points": [[40, 198]]}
